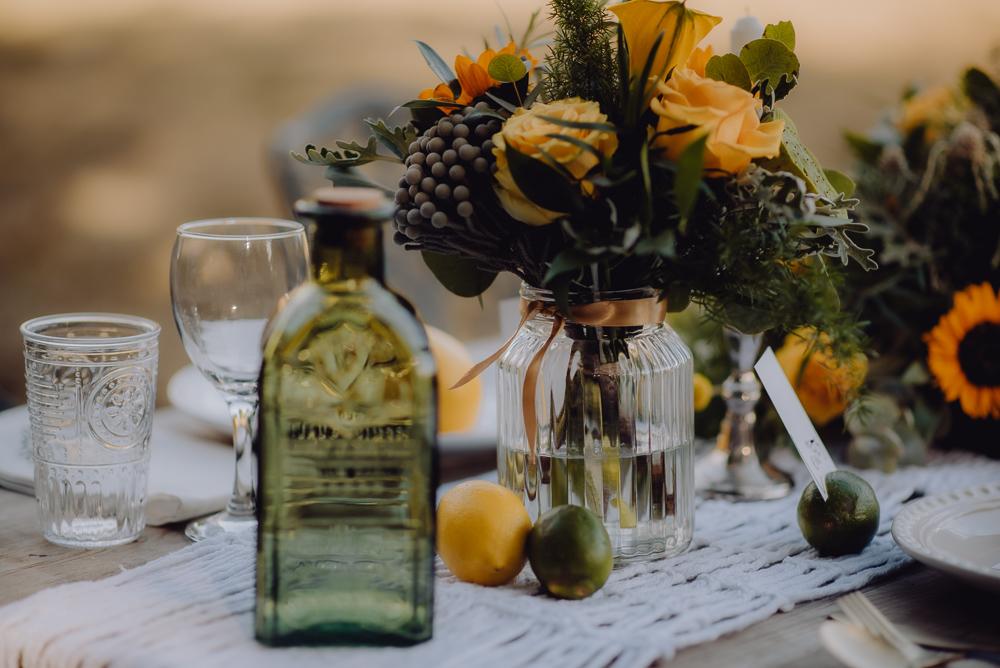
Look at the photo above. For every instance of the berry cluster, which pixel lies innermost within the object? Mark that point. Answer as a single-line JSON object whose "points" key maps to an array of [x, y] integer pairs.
{"points": [[436, 190]]}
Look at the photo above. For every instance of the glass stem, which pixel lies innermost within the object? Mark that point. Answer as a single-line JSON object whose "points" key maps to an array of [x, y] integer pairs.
{"points": [[244, 413]]}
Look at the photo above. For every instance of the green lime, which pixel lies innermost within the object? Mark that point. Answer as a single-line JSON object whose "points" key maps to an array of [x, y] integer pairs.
{"points": [[843, 524], [570, 552]]}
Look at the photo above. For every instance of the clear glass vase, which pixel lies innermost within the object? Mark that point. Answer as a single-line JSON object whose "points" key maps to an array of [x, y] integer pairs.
{"points": [[614, 418]]}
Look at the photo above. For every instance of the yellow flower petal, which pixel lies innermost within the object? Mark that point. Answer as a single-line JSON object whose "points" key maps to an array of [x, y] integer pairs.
{"points": [[643, 21]]}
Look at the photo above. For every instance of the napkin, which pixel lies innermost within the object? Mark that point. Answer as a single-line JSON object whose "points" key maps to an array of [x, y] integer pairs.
{"points": [[190, 468], [748, 561]]}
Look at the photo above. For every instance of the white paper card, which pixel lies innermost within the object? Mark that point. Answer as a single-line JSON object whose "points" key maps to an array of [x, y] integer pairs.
{"points": [[794, 417]]}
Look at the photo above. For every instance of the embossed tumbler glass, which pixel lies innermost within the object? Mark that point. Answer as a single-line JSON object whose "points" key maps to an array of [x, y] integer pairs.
{"points": [[91, 385]]}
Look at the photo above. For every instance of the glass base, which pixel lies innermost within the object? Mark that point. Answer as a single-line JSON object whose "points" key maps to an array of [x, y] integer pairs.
{"points": [[746, 479], [219, 523]]}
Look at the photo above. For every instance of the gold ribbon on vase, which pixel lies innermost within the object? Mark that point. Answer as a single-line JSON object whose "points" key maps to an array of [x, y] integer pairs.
{"points": [[622, 313]]}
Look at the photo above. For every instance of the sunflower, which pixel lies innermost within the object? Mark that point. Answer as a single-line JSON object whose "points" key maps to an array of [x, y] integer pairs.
{"points": [[963, 351]]}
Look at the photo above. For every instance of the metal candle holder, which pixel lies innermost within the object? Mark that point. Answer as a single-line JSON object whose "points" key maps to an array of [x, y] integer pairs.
{"points": [[733, 468]]}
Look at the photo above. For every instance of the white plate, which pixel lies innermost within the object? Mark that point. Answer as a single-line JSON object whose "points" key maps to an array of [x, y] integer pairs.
{"points": [[190, 470], [192, 393], [17, 468], [957, 532]]}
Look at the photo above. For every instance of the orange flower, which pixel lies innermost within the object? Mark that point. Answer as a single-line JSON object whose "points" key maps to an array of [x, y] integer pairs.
{"points": [[963, 351], [699, 59], [474, 77], [821, 384], [442, 92]]}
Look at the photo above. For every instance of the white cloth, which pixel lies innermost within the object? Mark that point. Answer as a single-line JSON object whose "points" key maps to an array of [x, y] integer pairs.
{"points": [[748, 561], [191, 465]]}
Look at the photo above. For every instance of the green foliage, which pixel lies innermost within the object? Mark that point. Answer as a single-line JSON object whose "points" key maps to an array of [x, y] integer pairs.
{"points": [[581, 62], [798, 160], [729, 68], [461, 276], [507, 68], [864, 149], [353, 154], [784, 32], [439, 67], [771, 61], [543, 183]]}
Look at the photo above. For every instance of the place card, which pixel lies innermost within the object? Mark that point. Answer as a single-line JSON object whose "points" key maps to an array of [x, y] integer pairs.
{"points": [[793, 415]]}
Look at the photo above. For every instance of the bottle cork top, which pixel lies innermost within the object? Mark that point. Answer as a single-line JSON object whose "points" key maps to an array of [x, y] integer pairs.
{"points": [[347, 197]]}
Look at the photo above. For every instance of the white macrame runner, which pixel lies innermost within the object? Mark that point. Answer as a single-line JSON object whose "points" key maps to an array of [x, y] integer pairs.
{"points": [[748, 560]]}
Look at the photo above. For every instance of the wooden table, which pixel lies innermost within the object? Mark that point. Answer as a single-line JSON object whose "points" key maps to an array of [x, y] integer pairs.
{"points": [[916, 596]]}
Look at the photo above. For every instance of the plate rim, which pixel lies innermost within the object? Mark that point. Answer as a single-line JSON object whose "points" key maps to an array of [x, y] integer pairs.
{"points": [[913, 514]]}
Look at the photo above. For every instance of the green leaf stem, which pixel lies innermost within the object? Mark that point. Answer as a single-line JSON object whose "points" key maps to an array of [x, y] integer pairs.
{"points": [[459, 275]]}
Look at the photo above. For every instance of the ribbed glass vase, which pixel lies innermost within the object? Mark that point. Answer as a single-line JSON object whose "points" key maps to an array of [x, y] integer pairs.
{"points": [[614, 424]]}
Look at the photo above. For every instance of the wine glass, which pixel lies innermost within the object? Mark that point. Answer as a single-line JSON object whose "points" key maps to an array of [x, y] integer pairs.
{"points": [[227, 278]]}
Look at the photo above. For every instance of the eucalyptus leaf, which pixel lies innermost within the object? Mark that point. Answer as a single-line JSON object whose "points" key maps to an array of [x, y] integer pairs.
{"points": [[772, 60], [542, 184], [439, 67], [677, 298], [461, 276], [729, 68], [687, 181], [842, 183], [799, 161], [507, 68], [783, 32]]}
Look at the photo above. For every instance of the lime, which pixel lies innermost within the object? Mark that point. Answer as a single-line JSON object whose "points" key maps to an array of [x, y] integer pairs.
{"points": [[482, 528], [843, 524], [570, 552]]}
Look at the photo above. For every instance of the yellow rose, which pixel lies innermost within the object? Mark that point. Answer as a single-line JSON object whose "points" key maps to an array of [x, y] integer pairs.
{"points": [[643, 20], [726, 114], [527, 132], [822, 385]]}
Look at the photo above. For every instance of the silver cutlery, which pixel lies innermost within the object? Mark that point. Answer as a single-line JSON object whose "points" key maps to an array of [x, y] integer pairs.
{"points": [[862, 613]]}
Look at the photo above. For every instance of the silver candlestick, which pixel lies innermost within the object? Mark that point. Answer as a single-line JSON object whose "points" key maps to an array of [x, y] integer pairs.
{"points": [[733, 468]]}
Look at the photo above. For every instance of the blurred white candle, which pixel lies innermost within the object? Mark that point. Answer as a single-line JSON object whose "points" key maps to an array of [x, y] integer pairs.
{"points": [[746, 30]]}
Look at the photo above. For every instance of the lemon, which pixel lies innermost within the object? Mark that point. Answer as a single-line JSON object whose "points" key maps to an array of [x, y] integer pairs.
{"points": [[482, 528], [702, 392], [458, 409], [843, 524], [570, 552]]}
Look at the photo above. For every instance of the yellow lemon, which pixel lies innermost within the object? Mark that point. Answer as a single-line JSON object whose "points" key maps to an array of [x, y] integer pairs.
{"points": [[458, 409], [702, 392], [482, 528]]}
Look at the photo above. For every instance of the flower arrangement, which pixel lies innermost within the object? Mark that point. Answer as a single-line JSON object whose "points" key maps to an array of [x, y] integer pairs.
{"points": [[625, 156], [929, 181]]}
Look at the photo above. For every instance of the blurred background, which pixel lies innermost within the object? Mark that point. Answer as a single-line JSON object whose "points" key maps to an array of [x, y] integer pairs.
{"points": [[121, 119]]}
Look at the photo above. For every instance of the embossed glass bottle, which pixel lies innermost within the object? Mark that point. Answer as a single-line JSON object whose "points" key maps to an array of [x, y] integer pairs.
{"points": [[347, 436]]}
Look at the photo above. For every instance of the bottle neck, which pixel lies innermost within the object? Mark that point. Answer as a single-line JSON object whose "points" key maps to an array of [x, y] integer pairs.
{"points": [[343, 253]]}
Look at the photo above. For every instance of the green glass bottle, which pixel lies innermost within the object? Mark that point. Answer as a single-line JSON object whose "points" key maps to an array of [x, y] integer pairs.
{"points": [[347, 443]]}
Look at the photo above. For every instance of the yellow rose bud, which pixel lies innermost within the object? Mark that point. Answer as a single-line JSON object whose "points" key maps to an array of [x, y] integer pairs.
{"points": [[527, 132], [726, 114], [822, 385], [703, 391]]}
